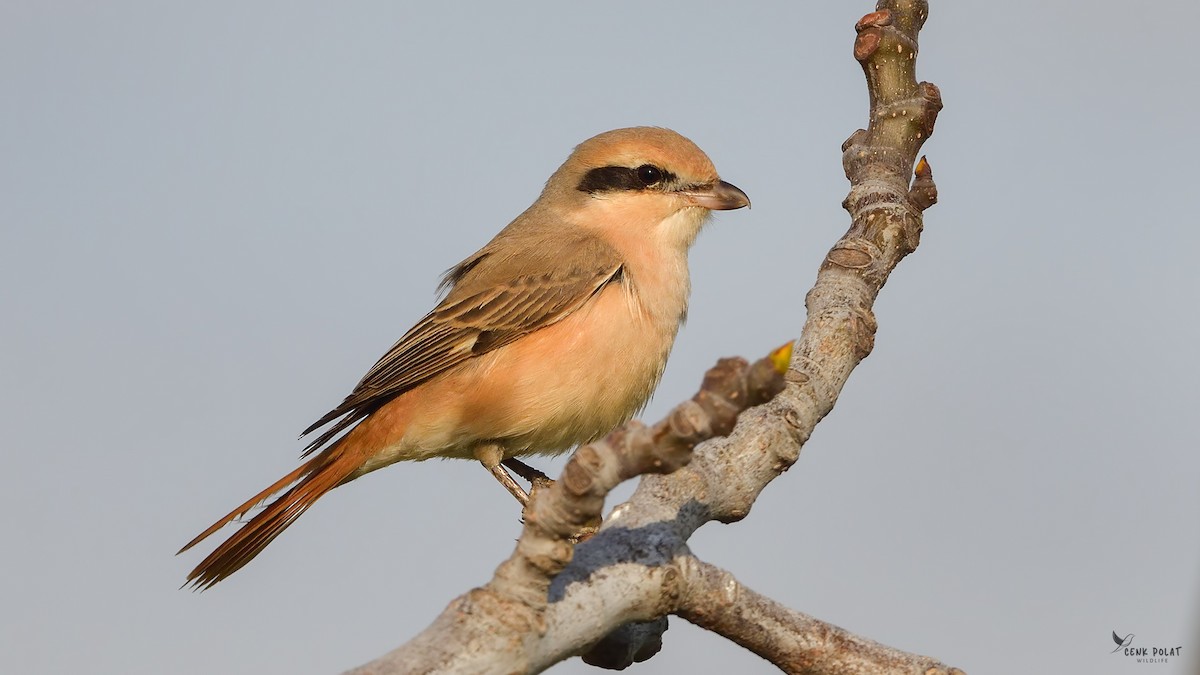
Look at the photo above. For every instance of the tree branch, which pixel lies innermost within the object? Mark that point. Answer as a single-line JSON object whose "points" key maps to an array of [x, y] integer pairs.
{"points": [[795, 642], [606, 598]]}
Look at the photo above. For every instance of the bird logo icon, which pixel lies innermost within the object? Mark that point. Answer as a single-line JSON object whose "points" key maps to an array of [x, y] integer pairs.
{"points": [[1121, 642]]}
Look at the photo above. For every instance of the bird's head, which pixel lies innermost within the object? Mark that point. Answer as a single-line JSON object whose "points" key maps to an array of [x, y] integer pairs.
{"points": [[642, 182]]}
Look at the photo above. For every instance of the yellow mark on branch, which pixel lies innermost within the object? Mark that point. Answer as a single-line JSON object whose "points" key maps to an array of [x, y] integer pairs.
{"points": [[781, 358]]}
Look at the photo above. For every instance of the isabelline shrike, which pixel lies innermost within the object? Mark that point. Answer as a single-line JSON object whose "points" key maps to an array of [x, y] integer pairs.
{"points": [[550, 336]]}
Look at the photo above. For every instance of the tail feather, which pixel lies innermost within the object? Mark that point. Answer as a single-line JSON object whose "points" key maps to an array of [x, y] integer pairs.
{"points": [[254, 501], [316, 477]]}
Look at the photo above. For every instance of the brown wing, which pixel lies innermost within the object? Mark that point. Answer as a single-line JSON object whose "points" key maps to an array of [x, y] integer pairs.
{"points": [[495, 300]]}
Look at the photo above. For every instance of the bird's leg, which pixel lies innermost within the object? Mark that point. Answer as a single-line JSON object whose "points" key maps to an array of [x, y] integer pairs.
{"points": [[491, 457], [527, 472], [539, 480], [509, 484]]}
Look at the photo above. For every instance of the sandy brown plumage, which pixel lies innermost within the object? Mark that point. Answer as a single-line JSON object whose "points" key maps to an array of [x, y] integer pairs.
{"points": [[550, 335]]}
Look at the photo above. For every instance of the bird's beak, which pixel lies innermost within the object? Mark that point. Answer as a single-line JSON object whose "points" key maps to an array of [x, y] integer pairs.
{"points": [[720, 197]]}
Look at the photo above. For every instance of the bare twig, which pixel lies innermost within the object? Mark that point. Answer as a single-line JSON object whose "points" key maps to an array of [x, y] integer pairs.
{"points": [[795, 642]]}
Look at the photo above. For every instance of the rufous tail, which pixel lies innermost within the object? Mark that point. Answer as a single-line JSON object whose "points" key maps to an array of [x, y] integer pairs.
{"points": [[316, 477]]}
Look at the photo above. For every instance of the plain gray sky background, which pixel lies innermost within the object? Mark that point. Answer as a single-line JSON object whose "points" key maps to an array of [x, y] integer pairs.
{"points": [[215, 216]]}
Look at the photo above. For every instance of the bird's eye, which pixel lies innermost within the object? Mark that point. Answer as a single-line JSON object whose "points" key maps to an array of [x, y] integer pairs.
{"points": [[649, 174]]}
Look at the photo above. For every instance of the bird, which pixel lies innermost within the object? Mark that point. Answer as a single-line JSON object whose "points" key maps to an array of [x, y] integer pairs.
{"points": [[1122, 642], [550, 336]]}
